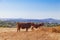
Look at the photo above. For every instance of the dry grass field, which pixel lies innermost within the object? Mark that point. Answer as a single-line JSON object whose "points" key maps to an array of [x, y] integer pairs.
{"points": [[40, 34]]}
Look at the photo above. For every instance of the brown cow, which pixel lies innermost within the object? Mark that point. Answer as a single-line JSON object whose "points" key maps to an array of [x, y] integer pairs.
{"points": [[37, 25], [23, 25]]}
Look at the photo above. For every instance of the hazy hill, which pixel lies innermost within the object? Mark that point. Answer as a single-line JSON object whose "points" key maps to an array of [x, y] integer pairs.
{"points": [[10, 22], [48, 20]]}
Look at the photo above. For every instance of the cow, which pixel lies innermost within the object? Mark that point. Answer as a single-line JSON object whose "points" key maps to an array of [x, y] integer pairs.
{"points": [[37, 25], [23, 25]]}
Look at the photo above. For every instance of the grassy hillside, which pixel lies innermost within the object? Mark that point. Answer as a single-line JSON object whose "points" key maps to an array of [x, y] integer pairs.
{"points": [[7, 24], [45, 33]]}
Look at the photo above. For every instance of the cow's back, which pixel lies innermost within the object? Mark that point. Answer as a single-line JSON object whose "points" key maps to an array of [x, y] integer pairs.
{"points": [[24, 25]]}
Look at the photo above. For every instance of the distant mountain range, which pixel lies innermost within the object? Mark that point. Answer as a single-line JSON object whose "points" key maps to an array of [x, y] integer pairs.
{"points": [[48, 20]]}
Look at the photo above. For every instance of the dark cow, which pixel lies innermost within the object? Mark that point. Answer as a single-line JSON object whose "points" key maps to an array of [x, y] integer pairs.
{"points": [[37, 25], [23, 25]]}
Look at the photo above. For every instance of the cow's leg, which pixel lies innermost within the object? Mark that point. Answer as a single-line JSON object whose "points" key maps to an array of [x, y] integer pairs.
{"points": [[32, 28], [18, 29], [26, 29]]}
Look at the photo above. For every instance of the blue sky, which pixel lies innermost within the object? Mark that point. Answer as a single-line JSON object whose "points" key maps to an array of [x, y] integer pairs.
{"points": [[30, 9]]}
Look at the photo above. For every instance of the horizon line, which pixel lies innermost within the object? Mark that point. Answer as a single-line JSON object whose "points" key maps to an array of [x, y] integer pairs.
{"points": [[29, 18]]}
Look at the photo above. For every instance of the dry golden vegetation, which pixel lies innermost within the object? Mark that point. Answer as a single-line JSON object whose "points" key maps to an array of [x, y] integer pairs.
{"points": [[44, 33]]}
